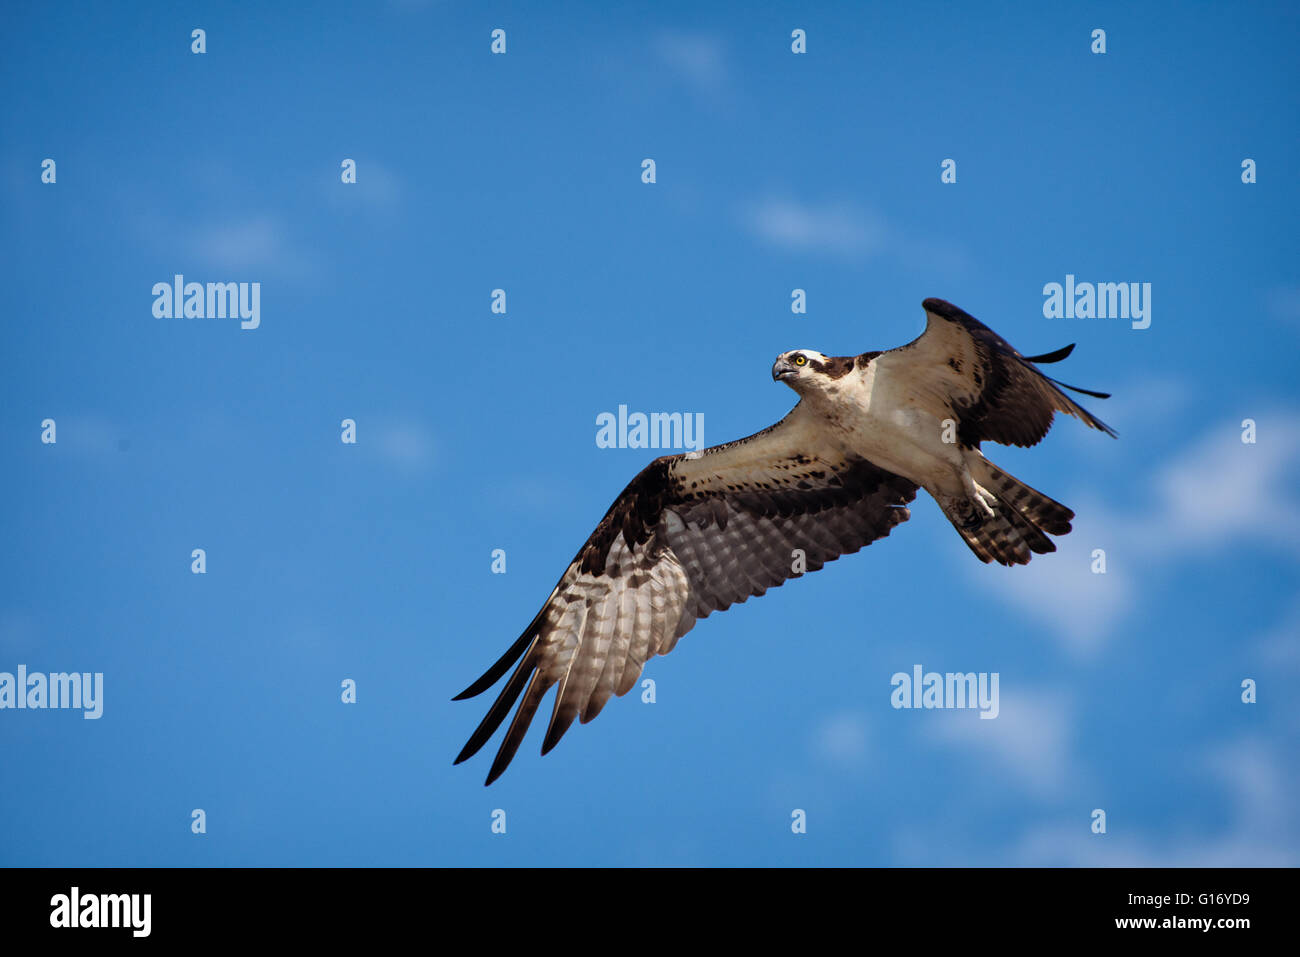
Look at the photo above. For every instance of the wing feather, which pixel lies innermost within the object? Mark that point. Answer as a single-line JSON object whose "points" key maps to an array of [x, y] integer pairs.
{"points": [[615, 653], [690, 535], [586, 670], [995, 393], [518, 726], [565, 663]]}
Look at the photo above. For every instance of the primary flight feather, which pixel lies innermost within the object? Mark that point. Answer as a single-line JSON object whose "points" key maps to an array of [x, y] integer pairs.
{"points": [[698, 532]]}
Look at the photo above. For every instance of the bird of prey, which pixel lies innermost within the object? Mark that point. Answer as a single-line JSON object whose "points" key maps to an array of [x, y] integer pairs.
{"points": [[697, 532]]}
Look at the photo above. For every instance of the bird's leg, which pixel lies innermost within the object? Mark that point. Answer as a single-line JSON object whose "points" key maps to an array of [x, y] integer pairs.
{"points": [[982, 501]]}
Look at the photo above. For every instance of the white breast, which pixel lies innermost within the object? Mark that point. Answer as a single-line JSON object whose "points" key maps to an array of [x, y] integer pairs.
{"points": [[890, 426]]}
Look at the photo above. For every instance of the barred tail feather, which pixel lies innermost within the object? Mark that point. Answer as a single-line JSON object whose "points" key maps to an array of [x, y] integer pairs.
{"points": [[1022, 519], [1007, 538], [1046, 513]]}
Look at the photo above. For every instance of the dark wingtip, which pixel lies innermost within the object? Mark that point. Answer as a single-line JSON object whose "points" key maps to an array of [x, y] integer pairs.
{"points": [[556, 731], [946, 310], [493, 674], [1075, 388], [498, 769], [1096, 423], [497, 713], [941, 307], [1049, 357]]}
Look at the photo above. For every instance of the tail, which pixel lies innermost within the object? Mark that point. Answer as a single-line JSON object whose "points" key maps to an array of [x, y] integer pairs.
{"points": [[1022, 518]]}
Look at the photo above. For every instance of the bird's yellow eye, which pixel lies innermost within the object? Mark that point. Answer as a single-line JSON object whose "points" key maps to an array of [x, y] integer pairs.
{"points": [[801, 360]]}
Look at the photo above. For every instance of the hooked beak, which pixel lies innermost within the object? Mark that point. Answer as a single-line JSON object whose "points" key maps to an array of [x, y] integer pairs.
{"points": [[782, 369]]}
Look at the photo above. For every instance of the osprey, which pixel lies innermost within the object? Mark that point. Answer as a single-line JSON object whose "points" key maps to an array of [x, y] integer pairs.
{"points": [[698, 532]]}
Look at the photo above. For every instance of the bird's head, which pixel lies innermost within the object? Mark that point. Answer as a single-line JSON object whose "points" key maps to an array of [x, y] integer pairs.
{"points": [[801, 370]]}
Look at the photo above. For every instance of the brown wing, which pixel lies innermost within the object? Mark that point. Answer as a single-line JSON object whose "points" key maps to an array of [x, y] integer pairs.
{"points": [[996, 393], [690, 535]]}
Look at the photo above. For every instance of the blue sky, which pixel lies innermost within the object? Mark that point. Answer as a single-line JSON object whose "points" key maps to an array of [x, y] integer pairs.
{"points": [[476, 431]]}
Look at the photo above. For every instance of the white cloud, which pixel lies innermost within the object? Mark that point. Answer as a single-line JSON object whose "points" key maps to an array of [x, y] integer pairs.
{"points": [[1029, 738], [1150, 401], [847, 231], [1061, 592], [1218, 493], [19, 632], [90, 434], [1279, 647], [1223, 490], [377, 187], [1073, 845], [699, 60], [1257, 783], [836, 228], [1262, 832], [406, 445], [1283, 302], [235, 247], [842, 740], [238, 246]]}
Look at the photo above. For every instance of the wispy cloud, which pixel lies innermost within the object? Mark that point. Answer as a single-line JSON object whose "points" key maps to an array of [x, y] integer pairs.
{"points": [[1283, 302], [846, 230], [407, 446], [1262, 831], [377, 189], [19, 632], [1029, 738], [836, 228], [698, 60], [1280, 646], [842, 740], [1223, 490], [1217, 493], [1061, 592], [254, 243], [1141, 403], [91, 435], [249, 244]]}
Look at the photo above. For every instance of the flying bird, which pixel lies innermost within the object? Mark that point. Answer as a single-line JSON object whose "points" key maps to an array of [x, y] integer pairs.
{"points": [[697, 532]]}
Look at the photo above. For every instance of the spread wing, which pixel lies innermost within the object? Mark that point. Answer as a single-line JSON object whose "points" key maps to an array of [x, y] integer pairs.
{"points": [[690, 535], [995, 393]]}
